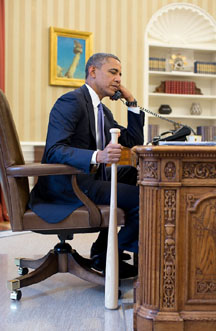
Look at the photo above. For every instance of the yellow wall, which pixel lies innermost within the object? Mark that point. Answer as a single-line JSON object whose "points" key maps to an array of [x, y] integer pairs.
{"points": [[118, 27]]}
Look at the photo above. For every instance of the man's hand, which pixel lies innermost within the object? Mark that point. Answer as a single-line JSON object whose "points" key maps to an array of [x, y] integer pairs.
{"points": [[126, 94], [110, 154]]}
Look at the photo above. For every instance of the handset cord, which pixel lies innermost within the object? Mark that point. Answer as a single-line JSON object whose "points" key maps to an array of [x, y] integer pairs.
{"points": [[159, 116]]}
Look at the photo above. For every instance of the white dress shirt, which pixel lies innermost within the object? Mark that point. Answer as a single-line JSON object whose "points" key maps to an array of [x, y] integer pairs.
{"points": [[95, 101]]}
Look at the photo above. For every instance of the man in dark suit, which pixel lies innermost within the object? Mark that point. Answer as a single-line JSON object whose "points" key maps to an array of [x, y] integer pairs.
{"points": [[73, 139]]}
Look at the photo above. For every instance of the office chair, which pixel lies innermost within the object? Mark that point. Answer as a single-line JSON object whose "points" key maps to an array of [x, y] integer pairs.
{"points": [[14, 175]]}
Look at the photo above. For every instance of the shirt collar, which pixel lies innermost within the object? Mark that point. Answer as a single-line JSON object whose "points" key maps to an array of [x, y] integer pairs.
{"points": [[94, 97]]}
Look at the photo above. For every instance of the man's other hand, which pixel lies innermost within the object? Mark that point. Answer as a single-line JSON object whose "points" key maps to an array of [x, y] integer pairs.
{"points": [[110, 154]]}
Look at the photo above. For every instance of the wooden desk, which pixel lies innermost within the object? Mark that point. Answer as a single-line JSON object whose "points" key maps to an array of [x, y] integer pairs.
{"points": [[176, 288]]}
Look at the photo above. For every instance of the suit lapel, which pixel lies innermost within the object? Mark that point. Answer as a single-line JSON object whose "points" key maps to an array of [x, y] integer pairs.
{"points": [[106, 128], [90, 110]]}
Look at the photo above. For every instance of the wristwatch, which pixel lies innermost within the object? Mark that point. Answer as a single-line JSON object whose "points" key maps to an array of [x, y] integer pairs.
{"points": [[131, 103]]}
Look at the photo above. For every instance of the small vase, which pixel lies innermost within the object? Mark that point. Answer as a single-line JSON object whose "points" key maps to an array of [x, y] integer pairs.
{"points": [[195, 109], [164, 109]]}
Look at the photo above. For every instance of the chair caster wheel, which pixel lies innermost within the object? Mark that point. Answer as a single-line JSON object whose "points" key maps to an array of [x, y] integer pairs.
{"points": [[16, 295], [119, 294], [22, 271]]}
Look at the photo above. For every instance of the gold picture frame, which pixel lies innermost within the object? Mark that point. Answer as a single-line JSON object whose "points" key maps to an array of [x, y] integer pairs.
{"points": [[67, 69]]}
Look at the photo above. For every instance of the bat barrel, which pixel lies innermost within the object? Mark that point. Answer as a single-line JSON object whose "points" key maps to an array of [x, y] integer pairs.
{"points": [[112, 265]]}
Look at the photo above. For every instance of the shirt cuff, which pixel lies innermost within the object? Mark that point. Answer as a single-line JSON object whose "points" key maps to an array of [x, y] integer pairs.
{"points": [[135, 110], [93, 159]]}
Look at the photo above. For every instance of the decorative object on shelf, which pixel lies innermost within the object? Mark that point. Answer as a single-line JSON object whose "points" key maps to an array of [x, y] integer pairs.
{"points": [[194, 138], [177, 87], [195, 109], [160, 88], [198, 90], [164, 109], [179, 60], [202, 67]]}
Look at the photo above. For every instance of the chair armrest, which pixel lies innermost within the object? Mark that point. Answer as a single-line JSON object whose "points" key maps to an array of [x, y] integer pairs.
{"points": [[38, 169], [95, 217], [44, 169]]}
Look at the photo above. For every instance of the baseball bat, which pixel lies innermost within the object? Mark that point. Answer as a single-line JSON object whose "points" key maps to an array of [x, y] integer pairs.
{"points": [[112, 264]]}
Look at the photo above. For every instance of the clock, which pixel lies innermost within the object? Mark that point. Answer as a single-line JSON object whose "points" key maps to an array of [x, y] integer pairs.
{"points": [[178, 62]]}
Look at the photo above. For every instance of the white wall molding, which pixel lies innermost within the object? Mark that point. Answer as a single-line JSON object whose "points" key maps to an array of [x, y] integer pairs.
{"points": [[28, 149], [182, 24], [28, 154]]}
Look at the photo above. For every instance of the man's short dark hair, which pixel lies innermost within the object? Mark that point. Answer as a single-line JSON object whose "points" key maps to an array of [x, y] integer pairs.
{"points": [[97, 60]]}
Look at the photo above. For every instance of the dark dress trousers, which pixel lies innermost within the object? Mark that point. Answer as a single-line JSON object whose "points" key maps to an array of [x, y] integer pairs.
{"points": [[71, 139]]}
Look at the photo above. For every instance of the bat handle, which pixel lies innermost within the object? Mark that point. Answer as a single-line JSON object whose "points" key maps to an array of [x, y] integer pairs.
{"points": [[114, 135], [112, 263]]}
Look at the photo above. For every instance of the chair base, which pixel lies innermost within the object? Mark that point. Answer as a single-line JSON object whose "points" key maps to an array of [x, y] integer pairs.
{"points": [[60, 259]]}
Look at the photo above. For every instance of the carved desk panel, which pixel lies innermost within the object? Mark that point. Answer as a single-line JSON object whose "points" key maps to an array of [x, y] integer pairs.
{"points": [[176, 287]]}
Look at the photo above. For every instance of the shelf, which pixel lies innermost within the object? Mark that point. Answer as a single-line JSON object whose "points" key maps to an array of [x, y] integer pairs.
{"points": [[182, 96], [181, 74], [197, 117], [196, 41], [199, 48]]}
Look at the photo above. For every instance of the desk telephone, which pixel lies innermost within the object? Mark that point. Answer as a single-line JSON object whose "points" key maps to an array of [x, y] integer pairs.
{"points": [[171, 135]]}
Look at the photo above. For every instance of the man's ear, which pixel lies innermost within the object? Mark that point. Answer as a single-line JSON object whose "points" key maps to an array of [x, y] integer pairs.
{"points": [[92, 72]]}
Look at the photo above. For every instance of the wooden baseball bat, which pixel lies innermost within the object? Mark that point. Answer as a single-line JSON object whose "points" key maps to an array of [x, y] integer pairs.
{"points": [[112, 264]]}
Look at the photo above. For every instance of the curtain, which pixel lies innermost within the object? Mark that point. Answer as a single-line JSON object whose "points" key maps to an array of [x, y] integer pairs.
{"points": [[3, 211], [2, 45]]}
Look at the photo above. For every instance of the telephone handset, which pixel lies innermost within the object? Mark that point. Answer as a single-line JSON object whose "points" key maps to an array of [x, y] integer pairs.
{"points": [[178, 135], [117, 95]]}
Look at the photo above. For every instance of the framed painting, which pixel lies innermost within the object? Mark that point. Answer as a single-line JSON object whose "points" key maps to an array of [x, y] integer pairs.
{"points": [[69, 51]]}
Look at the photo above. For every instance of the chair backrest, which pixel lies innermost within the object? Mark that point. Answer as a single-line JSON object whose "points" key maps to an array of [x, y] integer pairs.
{"points": [[15, 190]]}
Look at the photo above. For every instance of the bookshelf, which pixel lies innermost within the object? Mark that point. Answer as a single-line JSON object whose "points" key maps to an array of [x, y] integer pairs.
{"points": [[193, 37]]}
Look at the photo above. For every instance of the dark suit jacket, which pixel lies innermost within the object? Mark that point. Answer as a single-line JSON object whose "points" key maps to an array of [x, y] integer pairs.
{"points": [[71, 140]]}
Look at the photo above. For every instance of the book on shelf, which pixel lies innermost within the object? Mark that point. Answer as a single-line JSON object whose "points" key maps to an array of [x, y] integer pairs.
{"points": [[153, 131], [157, 64], [208, 132], [203, 67], [180, 87]]}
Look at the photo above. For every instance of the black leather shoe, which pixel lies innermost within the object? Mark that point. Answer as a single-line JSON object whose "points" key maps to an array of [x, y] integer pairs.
{"points": [[94, 252], [126, 270], [98, 262]]}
